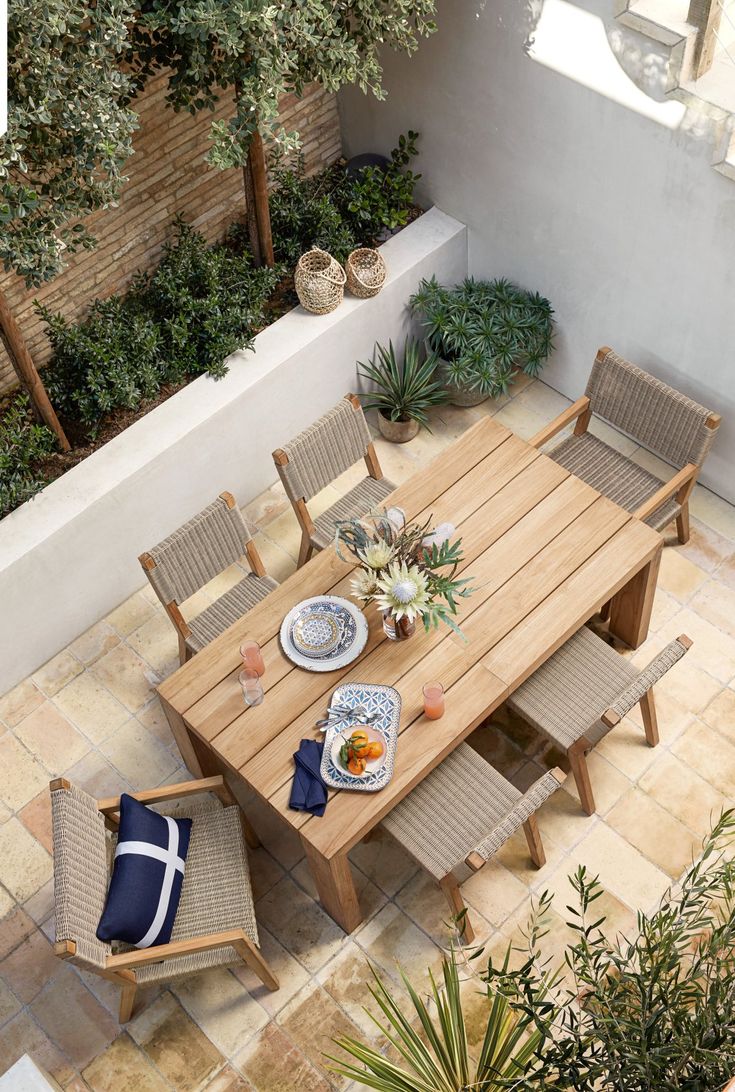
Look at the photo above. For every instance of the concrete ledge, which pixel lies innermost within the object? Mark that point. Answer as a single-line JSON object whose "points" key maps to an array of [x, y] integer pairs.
{"points": [[69, 556]]}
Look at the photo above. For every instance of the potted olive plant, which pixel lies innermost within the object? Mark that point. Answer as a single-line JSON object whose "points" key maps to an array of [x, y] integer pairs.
{"points": [[402, 390], [483, 333]]}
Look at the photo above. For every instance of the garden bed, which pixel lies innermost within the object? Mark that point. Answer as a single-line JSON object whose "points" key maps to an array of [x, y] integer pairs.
{"points": [[69, 556]]}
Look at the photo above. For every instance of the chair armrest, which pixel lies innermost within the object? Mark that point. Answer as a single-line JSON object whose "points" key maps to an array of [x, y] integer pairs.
{"points": [[682, 478], [521, 811], [651, 674], [571, 414], [175, 948], [217, 785]]}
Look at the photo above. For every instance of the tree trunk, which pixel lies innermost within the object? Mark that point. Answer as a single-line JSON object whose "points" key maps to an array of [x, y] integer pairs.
{"points": [[27, 372], [259, 174], [251, 214]]}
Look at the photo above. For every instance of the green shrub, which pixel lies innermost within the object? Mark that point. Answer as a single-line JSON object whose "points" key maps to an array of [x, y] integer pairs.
{"points": [[304, 214], [378, 199], [199, 305], [22, 443]]}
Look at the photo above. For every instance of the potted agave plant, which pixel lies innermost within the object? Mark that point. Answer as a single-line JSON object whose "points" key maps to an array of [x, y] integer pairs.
{"points": [[407, 569], [402, 390], [483, 333]]}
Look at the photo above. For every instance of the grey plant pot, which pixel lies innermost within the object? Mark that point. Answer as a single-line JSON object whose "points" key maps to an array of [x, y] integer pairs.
{"points": [[459, 395], [398, 432]]}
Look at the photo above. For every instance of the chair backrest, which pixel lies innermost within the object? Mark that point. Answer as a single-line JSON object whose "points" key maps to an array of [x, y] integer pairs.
{"points": [[81, 871], [200, 550], [657, 416], [324, 450]]}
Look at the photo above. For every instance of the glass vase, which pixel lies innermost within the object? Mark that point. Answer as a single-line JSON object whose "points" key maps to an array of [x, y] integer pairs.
{"points": [[397, 629]]}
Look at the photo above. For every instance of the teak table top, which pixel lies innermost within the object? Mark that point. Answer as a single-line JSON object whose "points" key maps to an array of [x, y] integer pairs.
{"points": [[544, 551]]}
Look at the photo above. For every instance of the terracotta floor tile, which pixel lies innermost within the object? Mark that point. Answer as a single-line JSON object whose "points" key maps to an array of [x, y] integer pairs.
{"points": [[152, 717], [15, 926], [30, 966], [370, 897], [91, 707], [391, 940], [384, 862], [9, 1003], [19, 702], [24, 863], [709, 753], [655, 832], [273, 1063], [98, 639], [679, 788], [346, 979], [222, 1008], [73, 1019], [40, 906], [181, 1051], [621, 868], [52, 739], [679, 576], [23, 776], [140, 758], [156, 642], [22, 1035], [56, 673], [126, 676], [291, 975], [720, 714], [130, 614], [300, 924], [123, 1067], [706, 548], [98, 777], [228, 1080], [312, 1020]]}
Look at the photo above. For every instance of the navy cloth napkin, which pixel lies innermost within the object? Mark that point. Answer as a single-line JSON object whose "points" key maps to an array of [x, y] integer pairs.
{"points": [[308, 792]]}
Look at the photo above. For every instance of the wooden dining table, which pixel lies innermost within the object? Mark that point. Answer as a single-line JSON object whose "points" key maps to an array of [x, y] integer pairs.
{"points": [[543, 552]]}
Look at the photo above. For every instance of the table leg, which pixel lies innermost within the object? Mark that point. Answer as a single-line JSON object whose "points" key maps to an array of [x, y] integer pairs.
{"points": [[195, 754], [336, 888], [630, 610]]}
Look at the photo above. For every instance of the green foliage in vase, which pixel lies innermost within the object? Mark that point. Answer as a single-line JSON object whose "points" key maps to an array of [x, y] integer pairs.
{"points": [[22, 443], [432, 1043], [485, 330], [69, 128], [184, 319], [405, 390], [380, 198]]}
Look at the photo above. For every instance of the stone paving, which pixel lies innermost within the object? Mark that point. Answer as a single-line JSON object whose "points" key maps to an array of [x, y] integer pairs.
{"points": [[91, 714]]}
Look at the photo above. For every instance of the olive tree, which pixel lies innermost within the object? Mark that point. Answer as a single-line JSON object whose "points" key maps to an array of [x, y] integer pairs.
{"points": [[258, 51], [62, 157]]}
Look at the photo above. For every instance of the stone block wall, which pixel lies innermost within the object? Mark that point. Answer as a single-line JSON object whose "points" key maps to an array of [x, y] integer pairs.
{"points": [[167, 175]]}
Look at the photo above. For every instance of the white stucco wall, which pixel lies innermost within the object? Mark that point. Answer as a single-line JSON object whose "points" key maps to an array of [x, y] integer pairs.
{"points": [[619, 219], [69, 556]]}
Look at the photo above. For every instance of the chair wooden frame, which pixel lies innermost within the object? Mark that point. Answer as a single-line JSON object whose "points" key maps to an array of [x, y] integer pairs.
{"points": [[121, 968], [679, 486], [577, 753], [173, 610], [306, 523]]}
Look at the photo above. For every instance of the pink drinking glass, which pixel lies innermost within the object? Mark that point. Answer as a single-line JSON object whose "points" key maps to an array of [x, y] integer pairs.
{"points": [[252, 657], [433, 700]]}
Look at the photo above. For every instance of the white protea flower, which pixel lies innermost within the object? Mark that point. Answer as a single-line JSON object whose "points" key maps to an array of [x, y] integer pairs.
{"points": [[403, 591], [377, 554], [364, 585]]}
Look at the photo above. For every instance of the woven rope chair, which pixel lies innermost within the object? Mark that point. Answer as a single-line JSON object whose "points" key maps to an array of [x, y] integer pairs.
{"points": [[320, 454], [205, 546], [461, 814], [658, 418], [215, 922], [584, 690]]}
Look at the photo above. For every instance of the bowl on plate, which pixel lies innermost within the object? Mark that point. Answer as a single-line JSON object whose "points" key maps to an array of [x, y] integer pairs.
{"points": [[340, 738]]}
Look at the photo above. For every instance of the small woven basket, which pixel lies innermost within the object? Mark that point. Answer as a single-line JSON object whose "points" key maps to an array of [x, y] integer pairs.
{"points": [[365, 272], [320, 282]]}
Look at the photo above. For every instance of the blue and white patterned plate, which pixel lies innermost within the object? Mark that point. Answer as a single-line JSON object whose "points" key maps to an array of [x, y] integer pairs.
{"points": [[352, 640], [386, 702]]}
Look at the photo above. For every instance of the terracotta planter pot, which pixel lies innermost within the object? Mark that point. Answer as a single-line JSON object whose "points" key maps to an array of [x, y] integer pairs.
{"points": [[398, 432]]}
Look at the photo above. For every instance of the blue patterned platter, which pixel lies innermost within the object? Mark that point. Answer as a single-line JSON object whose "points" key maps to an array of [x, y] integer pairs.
{"points": [[349, 620], [384, 701]]}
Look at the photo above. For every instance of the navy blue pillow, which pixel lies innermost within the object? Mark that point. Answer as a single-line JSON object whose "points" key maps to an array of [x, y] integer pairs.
{"points": [[146, 878]]}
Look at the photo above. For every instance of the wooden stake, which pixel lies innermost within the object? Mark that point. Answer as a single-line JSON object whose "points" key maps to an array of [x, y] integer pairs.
{"points": [[27, 372]]}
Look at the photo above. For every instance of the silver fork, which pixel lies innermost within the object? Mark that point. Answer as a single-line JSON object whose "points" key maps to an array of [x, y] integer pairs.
{"points": [[339, 714]]}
